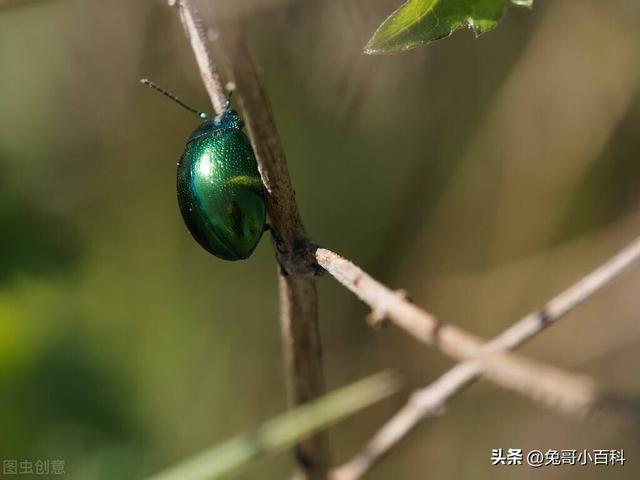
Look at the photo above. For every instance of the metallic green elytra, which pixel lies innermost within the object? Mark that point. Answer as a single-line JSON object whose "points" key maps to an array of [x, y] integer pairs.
{"points": [[220, 193]]}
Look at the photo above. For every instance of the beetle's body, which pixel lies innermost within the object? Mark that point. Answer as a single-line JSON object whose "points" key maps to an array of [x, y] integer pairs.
{"points": [[220, 193]]}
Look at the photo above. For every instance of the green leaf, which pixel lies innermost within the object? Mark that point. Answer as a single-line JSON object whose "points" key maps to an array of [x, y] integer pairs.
{"points": [[419, 22], [284, 430]]}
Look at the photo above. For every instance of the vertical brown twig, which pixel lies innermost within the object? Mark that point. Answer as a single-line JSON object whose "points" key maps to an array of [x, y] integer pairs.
{"points": [[298, 297]]}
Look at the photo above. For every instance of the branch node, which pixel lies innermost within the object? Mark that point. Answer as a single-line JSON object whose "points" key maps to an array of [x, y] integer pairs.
{"points": [[378, 317], [298, 260]]}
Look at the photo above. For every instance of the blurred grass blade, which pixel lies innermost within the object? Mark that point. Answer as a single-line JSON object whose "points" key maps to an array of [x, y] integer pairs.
{"points": [[419, 22], [284, 430]]}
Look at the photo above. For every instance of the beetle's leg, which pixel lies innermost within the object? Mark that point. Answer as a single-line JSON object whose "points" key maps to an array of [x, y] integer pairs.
{"points": [[276, 239]]}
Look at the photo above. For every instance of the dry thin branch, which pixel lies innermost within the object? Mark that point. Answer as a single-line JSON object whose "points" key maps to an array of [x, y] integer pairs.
{"points": [[431, 400], [298, 297], [197, 36], [570, 393]]}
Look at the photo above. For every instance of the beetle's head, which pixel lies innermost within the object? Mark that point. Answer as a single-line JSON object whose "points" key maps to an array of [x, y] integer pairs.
{"points": [[229, 118]]}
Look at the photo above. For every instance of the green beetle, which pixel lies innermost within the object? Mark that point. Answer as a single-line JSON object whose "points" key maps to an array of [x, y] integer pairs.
{"points": [[220, 193]]}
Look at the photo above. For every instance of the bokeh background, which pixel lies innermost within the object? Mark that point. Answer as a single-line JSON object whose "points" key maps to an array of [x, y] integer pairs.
{"points": [[482, 175]]}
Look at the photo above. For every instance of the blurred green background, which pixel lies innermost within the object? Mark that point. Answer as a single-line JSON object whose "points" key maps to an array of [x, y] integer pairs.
{"points": [[482, 175]]}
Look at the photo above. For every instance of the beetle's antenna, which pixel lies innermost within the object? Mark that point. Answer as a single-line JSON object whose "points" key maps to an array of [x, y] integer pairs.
{"points": [[230, 88], [171, 96], [227, 103]]}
